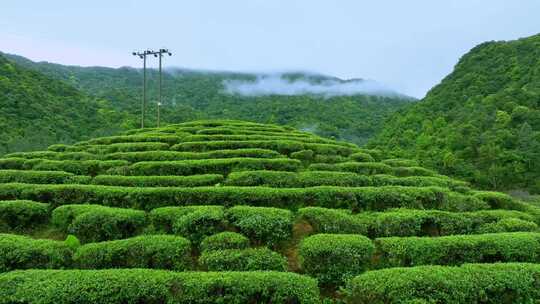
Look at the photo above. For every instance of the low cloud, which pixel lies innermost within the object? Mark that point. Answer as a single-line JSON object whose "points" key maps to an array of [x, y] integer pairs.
{"points": [[276, 84]]}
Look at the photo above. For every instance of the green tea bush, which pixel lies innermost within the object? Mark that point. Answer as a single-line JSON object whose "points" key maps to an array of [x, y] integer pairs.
{"points": [[150, 251], [155, 286], [169, 139], [303, 155], [361, 157], [355, 199], [158, 181], [472, 283], [21, 252], [201, 222], [458, 249], [218, 166], [365, 168], [251, 137], [224, 240], [19, 215], [412, 171], [281, 179], [334, 258], [400, 162], [262, 225], [407, 222], [35, 177], [132, 147], [32, 154], [251, 259], [419, 181], [94, 223], [338, 221], [87, 167], [134, 157], [263, 178], [497, 200], [508, 225], [13, 163], [281, 146], [163, 218]]}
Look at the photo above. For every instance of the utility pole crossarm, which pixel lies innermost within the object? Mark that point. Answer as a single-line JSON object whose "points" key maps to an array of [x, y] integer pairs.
{"points": [[143, 55]]}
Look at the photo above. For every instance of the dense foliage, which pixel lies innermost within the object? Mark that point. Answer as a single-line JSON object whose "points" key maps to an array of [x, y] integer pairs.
{"points": [[37, 110], [199, 200], [190, 94], [482, 122]]}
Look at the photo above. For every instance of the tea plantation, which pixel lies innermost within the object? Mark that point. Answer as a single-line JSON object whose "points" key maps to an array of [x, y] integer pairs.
{"points": [[238, 212]]}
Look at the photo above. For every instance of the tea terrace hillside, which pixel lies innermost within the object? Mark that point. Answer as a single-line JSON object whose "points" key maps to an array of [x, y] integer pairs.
{"points": [[224, 211]]}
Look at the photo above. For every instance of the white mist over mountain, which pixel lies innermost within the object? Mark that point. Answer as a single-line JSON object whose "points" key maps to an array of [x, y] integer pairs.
{"points": [[278, 84]]}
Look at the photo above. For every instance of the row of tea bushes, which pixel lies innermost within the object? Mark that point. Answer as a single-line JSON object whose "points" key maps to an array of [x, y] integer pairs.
{"points": [[336, 178], [372, 168], [355, 199], [147, 251], [21, 215], [94, 223], [282, 146], [134, 157], [335, 258], [83, 167], [212, 166], [155, 286], [409, 222], [262, 225], [471, 283]]}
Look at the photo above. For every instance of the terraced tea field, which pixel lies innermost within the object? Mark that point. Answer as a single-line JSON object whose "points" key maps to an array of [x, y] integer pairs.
{"points": [[238, 212]]}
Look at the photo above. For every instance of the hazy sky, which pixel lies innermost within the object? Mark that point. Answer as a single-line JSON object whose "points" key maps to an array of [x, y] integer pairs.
{"points": [[407, 45]]}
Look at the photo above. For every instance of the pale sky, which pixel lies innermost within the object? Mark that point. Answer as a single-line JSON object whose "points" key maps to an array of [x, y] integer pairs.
{"points": [[407, 45]]}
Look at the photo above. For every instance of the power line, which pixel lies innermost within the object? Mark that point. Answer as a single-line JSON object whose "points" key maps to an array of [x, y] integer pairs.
{"points": [[143, 55]]}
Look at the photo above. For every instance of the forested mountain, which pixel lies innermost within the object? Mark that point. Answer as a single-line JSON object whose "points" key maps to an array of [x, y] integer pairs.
{"points": [[482, 122], [191, 94], [36, 110]]}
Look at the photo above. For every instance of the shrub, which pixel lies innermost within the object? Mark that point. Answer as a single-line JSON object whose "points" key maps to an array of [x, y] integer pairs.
{"points": [[251, 259], [158, 181], [155, 286], [19, 215], [406, 222], [263, 178], [458, 249], [281, 146], [334, 258], [21, 252], [413, 171], [303, 155], [34, 177], [150, 251], [224, 240], [262, 225], [355, 199], [200, 222], [219, 166], [419, 181], [365, 168], [134, 157], [327, 178], [361, 157], [94, 223], [87, 167], [497, 200], [12, 163], [170, 139], [480, 283], [132, 147], [508, 225], [163, 218], [324, 220], [400, 162]]}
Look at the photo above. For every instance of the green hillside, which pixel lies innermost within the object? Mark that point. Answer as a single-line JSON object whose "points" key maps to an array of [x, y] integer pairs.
{"points": [[224, 211], [482, 122], [36, 110], [192, 94]]}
